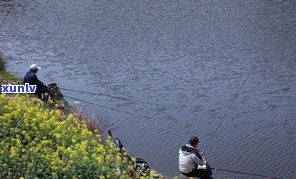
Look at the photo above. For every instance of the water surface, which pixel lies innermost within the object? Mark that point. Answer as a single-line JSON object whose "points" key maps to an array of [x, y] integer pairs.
{"points": [[224, 71]]}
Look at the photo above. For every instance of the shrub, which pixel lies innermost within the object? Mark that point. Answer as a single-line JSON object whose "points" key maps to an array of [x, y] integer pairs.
{"points": [[37, 142], [2, 61]]}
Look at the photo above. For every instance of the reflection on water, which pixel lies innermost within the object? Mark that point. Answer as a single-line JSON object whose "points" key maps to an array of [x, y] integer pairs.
{"points": [[179, 66]]}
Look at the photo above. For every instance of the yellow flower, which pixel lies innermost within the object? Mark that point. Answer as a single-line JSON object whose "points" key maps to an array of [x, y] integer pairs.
{"points": [[13, 151], [57, 135], [85, 158], [54, 143]]}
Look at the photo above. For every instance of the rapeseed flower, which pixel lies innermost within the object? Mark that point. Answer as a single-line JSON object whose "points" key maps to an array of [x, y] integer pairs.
{"points": [[37, 142]]}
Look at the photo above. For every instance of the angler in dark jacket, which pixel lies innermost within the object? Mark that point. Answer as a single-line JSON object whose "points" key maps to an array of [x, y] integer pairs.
{"points": [[191, 163], [32, 79]]}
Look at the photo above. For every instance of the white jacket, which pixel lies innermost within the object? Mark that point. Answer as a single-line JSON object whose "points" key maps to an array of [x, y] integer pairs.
{"points": [[189, 160]]}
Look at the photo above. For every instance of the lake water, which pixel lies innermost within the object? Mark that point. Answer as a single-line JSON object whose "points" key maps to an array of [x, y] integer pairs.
{"points": [[222, 70]]}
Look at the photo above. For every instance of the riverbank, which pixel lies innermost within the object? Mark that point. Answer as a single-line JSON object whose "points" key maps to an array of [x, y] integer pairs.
{"points": [[38, 141]]}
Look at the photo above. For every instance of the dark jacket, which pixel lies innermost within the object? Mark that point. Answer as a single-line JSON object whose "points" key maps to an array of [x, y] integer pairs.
{"points": [[32, 79]]}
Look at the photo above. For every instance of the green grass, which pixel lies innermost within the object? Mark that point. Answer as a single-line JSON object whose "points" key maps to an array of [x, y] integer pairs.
{"points": [[9, 76]]}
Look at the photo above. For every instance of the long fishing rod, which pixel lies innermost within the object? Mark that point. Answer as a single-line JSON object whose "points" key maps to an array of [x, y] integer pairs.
{"points": [[226, 111], [92, 93], [246, 173], [131, 115], [4, 20], [95, 104], [223, 118], [7, 13]]}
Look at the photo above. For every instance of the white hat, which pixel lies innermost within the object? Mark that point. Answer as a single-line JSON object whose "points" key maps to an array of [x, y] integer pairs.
{"points": [[35, 67]]}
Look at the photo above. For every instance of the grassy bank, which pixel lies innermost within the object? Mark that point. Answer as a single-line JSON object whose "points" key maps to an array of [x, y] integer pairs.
{"points": [[41, 142], [7, 78]]}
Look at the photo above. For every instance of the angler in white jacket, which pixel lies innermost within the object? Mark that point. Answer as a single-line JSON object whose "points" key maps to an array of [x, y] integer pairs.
{"points": [[191, 163]]}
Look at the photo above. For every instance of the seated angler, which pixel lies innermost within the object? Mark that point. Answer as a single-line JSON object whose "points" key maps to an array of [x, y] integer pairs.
{"points": [[191, 163], [32, 79]]}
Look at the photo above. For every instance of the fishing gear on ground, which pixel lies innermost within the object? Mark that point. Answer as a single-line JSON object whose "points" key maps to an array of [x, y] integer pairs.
{"points": [[138, 164]]}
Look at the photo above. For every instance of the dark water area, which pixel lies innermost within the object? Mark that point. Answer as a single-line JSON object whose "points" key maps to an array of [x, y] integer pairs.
{"points": [[222, 70]]}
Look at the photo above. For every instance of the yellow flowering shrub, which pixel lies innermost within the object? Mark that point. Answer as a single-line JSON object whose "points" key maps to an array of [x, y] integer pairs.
{"points": [[38, 142]]}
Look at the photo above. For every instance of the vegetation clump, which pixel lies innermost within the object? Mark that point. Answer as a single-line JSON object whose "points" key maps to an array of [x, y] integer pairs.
{"points": [[38, 142], [2, 61]]}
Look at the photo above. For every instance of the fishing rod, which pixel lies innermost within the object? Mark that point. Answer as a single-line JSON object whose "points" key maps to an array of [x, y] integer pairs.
{"points": [[92, 93], [223, 117], [131, 115], [4, 20], [95, 104], [246, 173], [7, 13]]}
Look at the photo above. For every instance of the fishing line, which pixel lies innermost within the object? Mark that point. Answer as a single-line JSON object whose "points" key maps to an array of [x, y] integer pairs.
{"points": [[131, 115], [92, 93], [246, 173], [7, 13], [4, 20], [95, 104], [223, 117]]}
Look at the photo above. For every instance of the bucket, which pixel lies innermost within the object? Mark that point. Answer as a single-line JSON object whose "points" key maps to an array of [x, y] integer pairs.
{"points": [[54, 92]]}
